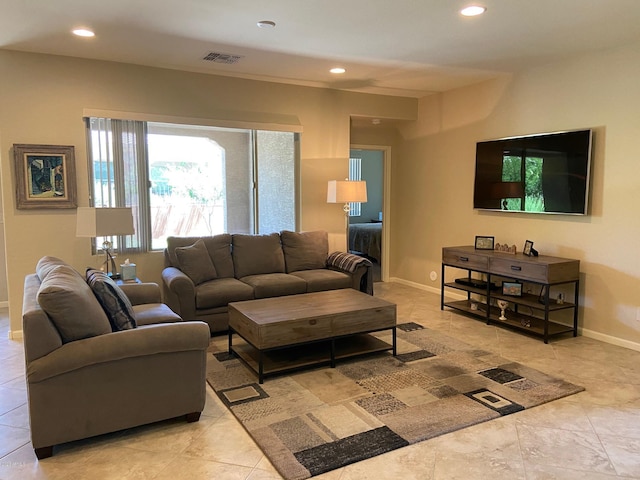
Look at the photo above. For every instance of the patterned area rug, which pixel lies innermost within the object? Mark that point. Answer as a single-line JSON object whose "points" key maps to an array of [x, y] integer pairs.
{"points": [[317, 420]]}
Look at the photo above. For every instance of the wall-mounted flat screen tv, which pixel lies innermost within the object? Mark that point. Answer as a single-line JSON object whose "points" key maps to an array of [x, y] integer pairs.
{"points": [[545, 173]]}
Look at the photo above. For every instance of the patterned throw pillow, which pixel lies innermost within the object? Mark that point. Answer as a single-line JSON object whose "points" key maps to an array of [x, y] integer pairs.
{"points": [[196, 263], [113, 300]]}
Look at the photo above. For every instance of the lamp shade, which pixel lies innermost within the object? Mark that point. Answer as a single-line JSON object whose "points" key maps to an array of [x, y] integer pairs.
{"points": [[345, 191], [100, 222]]}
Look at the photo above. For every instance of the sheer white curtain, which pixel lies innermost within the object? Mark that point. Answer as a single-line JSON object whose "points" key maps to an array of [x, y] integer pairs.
{"points": [[117, 151]]}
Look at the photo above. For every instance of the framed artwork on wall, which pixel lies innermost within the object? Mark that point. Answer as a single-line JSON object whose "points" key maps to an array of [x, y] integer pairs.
{"points": [[45, 176]]}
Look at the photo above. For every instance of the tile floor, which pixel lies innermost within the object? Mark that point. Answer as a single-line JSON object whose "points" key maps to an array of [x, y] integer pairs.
{"points": [[592, 435]]}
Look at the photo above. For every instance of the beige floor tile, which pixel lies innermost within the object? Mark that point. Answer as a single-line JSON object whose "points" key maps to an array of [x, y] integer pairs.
{"points": [[225, 441], [548, 472], [12, 438], [201, 469], [11, 398], [564, 448], [624, 454], [18, 417]]}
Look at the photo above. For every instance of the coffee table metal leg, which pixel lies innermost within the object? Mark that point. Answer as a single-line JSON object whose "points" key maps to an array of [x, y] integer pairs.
{"points": [[395, 343], [333, 353], [260, 367]]}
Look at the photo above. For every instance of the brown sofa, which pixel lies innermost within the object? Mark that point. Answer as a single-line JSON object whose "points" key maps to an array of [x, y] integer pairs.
{"points": [[202, 275], [84, 378]]}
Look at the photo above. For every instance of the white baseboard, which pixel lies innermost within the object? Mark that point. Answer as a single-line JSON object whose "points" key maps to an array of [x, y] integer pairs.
{"points": [[15, 334], [620, 342]]}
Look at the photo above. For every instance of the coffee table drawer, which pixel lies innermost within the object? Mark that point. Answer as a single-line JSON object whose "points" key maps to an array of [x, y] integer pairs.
{"points": [[364, 320]]}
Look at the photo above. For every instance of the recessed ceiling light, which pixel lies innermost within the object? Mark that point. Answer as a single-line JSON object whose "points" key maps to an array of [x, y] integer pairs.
{"points": [[337, 70], [83, 32], [473, 10], [266, 24]]}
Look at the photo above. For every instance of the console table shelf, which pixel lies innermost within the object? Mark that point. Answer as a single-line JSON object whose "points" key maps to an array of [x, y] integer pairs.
{"points": [[544, 272]]}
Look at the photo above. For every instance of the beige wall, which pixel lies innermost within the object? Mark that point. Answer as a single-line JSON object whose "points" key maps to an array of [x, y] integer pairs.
{"points": [[42, 99], [435, 178]]}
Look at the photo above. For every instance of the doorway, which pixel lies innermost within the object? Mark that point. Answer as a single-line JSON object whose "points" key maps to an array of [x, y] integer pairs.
{"points": [[368, 232]]}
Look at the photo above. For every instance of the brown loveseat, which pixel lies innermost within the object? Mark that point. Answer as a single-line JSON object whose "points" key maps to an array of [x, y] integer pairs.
{"points": [[101, 359], [202, 275]]}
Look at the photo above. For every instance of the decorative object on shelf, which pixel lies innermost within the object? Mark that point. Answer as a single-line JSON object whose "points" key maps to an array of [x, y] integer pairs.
{"points": [[513, 289], [484, 243], [105, 222], [502, 304], [346, 191], [474, 306], [506, 248], [528, 249], [45, 176]]}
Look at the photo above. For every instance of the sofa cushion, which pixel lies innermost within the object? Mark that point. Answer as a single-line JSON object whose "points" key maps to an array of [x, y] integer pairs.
{"points": [[152, 313], [275, 284], [257, 254], [221, 291], [46, 264], [70, 304], [113, 300], [195, 261], [304, 250], [218, 246], [324, 279]]}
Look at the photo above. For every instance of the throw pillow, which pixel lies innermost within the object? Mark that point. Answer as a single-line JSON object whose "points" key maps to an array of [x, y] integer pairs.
{"points": [[305, 250], [113, 300], [68, 301], [196, 263], [257, 254]]}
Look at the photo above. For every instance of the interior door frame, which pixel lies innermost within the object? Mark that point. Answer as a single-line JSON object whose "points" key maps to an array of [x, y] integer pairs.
{"points": [[386, 203]]}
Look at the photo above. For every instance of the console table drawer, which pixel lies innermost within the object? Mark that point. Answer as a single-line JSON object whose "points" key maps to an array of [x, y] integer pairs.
{"points": [[520, 270], [465, 260]]}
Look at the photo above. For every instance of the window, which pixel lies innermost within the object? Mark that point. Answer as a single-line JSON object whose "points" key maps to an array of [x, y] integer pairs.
{"points": [[355, 173], [189, 180]]}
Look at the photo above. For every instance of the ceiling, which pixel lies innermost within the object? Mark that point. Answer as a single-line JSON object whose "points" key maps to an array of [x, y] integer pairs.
{"points": [[408, 48]]}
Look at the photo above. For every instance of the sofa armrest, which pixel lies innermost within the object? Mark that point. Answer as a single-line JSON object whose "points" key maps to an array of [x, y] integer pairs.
{"points": [[179, 292], [142, 341], [358, 267], [141, 293]]}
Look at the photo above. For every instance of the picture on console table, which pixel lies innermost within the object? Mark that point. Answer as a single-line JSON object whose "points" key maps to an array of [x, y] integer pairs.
{"points": [[528, 249], [484, 243], [513, 289]]}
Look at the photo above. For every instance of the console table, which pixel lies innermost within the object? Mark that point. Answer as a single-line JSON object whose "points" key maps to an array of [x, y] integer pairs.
{"points": [[531, 312]]}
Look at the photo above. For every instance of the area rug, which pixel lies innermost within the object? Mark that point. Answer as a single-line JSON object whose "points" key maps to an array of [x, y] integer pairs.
{"points": [[313, 421]]}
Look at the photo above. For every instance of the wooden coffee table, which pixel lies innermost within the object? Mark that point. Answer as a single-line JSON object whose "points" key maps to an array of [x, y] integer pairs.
{"points": [[295, 331]]}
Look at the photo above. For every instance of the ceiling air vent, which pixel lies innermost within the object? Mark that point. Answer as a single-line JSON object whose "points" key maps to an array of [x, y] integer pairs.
{"points": [[223, 58]]}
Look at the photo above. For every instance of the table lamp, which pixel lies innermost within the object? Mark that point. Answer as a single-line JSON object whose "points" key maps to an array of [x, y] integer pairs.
{"points": [[103, 222]]}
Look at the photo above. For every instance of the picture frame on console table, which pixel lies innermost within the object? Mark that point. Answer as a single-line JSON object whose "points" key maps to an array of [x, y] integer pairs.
{"points": [[484, 243], [528, 249], [45, 176]]}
